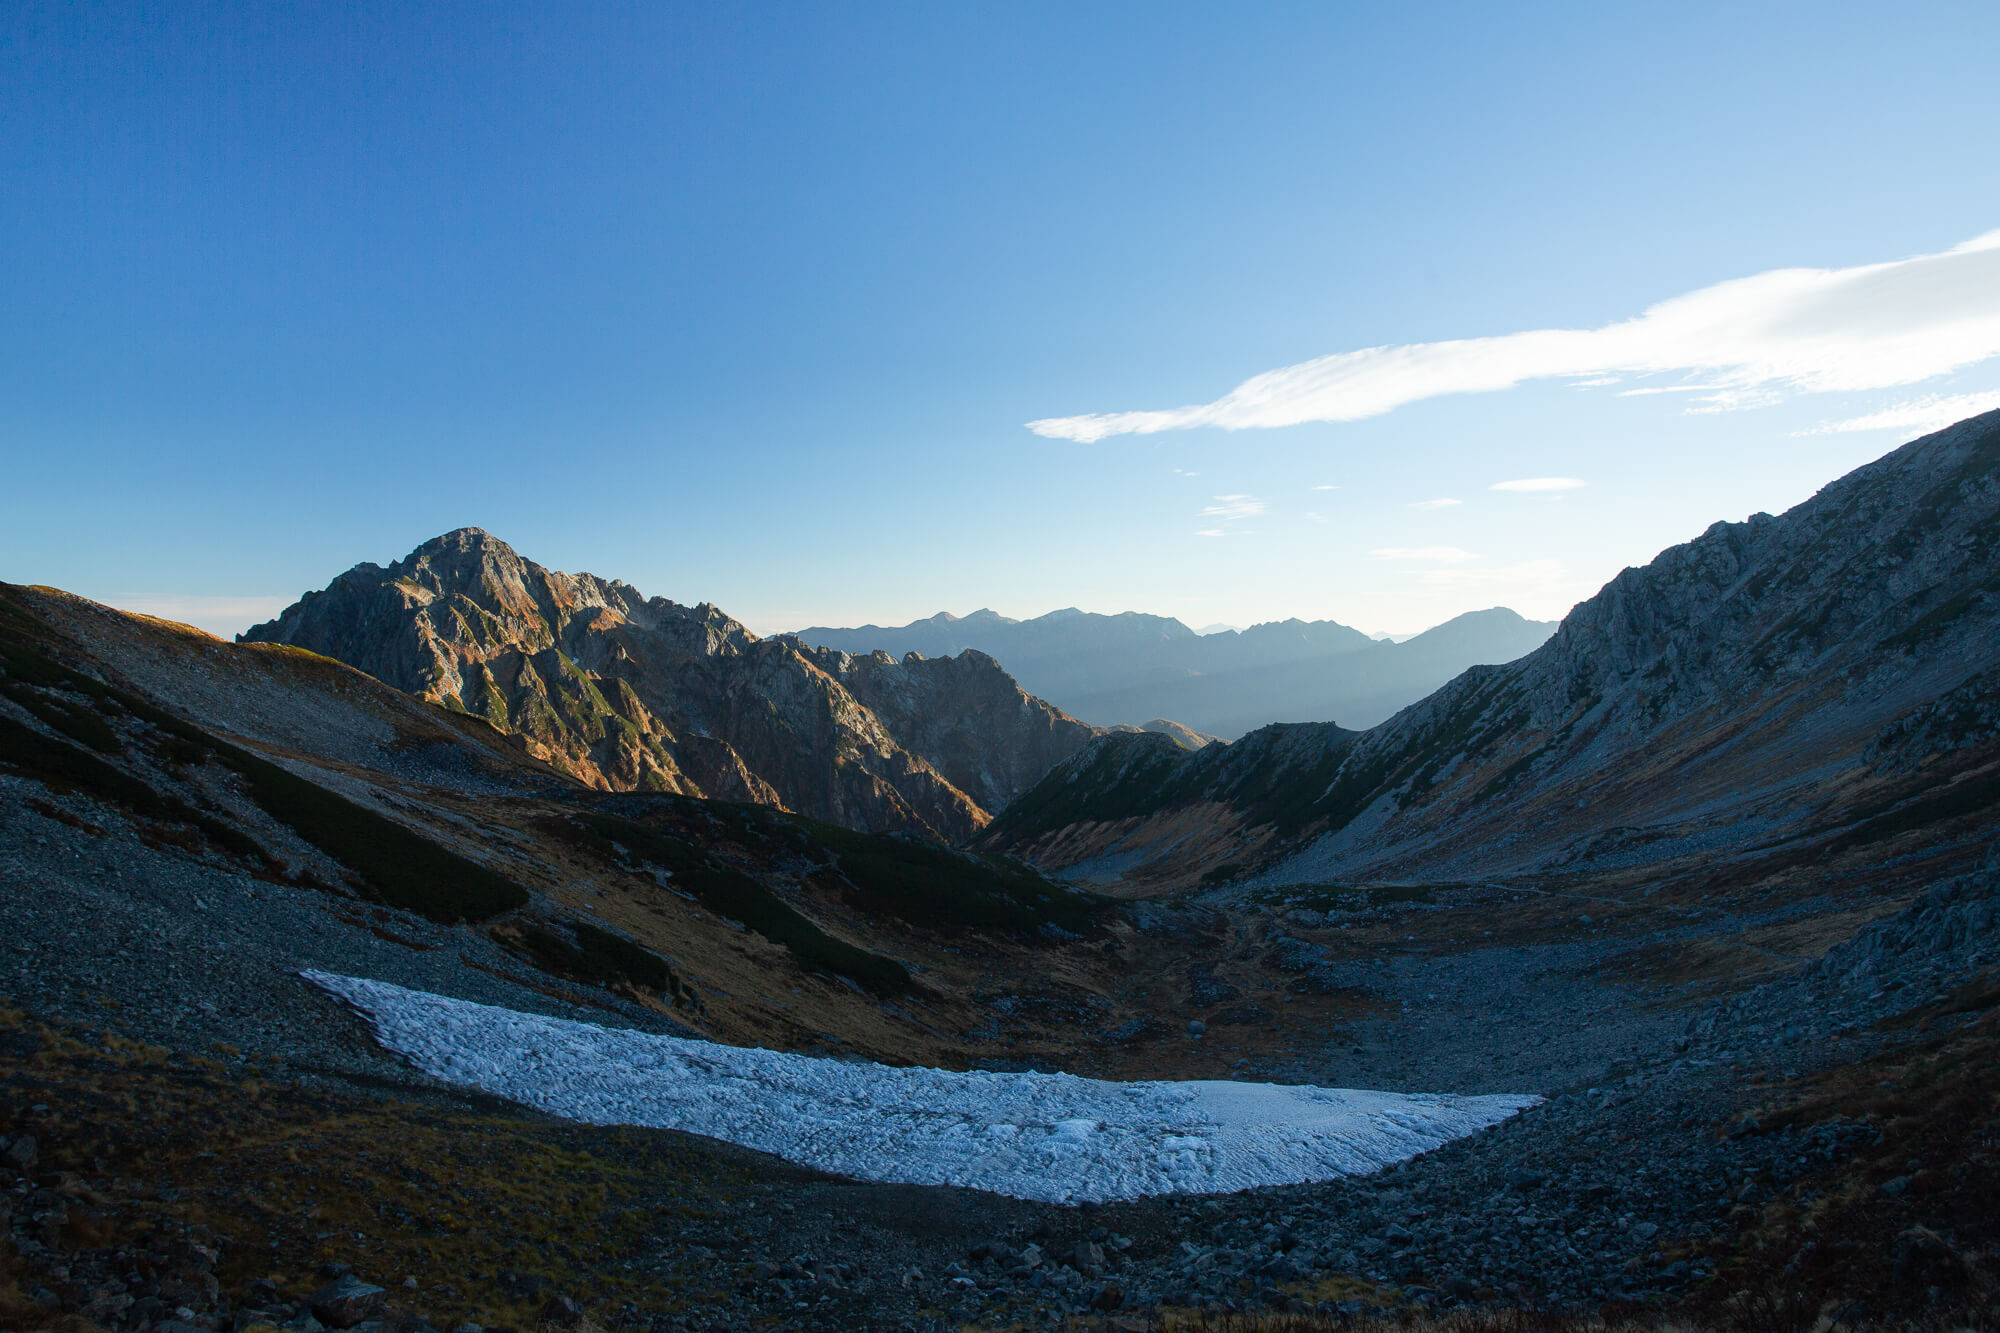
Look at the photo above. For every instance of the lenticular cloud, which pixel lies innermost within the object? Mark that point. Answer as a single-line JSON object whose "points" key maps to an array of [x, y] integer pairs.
{"points": [[1052, 1137], [1746, 341]]}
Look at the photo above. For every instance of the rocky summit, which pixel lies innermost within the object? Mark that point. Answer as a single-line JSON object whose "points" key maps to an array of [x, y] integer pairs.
{"points": [[630, 693]]}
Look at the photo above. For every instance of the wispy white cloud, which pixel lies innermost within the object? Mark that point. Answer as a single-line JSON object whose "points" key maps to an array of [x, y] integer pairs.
{"points": [[1442, 502], [1539, 484], [1918, 414], [1315, 517], [1443, 555], [1788, 331], [1211, 532], [1234, 508], [1326, 488]]}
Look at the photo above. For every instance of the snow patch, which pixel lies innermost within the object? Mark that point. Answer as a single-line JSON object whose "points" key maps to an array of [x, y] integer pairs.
{"points": [[1052, 1137]]}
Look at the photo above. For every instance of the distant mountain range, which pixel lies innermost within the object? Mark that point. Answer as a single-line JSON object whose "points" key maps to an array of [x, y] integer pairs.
{"points": [[1771, 693], [629, 693], [1132, 668]]}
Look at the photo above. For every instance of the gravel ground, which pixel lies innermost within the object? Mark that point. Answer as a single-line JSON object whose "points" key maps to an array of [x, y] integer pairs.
{"points": [[1584, 1199], [177, 952]]}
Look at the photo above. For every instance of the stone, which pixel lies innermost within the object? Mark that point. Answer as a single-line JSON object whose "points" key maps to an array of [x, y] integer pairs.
{"points": [[191, 1289], [1458, 1287], [561, 1312], [1107, 1296], [21, 1153], [1196, 1027], [346, 1302], [192, 1256], [1087, 1258], [106, 1309]]}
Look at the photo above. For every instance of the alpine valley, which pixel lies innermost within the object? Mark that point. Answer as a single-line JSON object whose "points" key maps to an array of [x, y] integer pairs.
{"points": [[1699, 889]]}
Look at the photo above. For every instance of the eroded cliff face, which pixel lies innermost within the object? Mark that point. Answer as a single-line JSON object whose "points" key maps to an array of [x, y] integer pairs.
{"points": [[1760, 683], [990, 738], [632, 693]]}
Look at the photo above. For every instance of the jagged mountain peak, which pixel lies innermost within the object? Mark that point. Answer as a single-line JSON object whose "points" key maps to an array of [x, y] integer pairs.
{"points": [[462, 539], [625, 692]]}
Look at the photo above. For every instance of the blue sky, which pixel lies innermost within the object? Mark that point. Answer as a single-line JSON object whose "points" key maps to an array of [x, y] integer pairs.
{"points": [[754, 304]]}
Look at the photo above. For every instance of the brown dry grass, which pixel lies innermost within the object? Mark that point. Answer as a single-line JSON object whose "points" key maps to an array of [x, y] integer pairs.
{"points": [[286, 1179]]}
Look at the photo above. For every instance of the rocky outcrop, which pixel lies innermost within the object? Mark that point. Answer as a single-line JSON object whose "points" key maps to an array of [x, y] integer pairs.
{"points": [[1188, 737], [626, 692], [1771, 678], [989, 738]]}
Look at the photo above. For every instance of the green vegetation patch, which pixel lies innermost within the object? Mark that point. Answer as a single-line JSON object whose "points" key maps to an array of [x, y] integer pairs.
{"points": [[1126, 776], [600, 958], [734, 895], [396, 867], [1942, 617], [1344, 897], [64, 767], [927, 884], [1968, 796], [1285, 791]]}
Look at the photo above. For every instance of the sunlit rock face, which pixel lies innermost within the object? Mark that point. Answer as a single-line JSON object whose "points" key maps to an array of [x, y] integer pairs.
{"points": [[627, 692]]}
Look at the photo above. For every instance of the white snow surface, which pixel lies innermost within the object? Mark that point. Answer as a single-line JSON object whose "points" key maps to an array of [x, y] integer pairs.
{"points": [[1053, 1137]]}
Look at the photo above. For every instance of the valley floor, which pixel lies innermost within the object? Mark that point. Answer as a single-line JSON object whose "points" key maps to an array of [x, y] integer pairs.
{"points": [[1822, 1145]]}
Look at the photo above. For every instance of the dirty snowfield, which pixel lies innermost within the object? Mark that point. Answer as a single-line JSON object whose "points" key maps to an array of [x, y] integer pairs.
{"points": [[1051, 1137]]}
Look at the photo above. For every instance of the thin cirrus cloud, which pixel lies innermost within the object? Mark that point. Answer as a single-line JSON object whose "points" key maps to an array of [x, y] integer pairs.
{"points": [[1746, 342], [1919, 414], [1532, 484], [1234, 508], [1442, 502], [1230, 509], [1443, 555]]}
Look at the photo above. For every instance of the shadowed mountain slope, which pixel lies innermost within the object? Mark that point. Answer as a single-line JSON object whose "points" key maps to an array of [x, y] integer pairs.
{"points": [[1129, 668], [630, 693], [1830, 674]]}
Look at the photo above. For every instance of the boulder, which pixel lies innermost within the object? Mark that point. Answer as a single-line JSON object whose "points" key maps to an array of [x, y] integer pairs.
{"points": [[345, 1302]]}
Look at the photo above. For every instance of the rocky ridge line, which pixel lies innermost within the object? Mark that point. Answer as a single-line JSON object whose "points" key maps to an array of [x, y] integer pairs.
{"points": [[626, 692]]}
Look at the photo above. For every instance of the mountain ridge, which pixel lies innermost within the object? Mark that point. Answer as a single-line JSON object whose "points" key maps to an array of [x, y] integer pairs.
{"points": [[1739, 690], [1131, 667], [626, 692]]}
